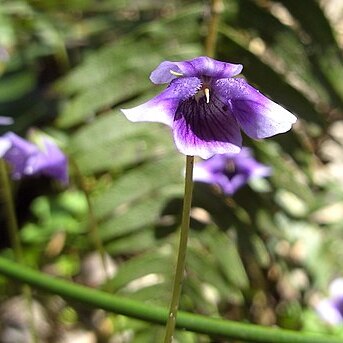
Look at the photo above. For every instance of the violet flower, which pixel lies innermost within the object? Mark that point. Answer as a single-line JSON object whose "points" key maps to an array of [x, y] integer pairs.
{"points": [[6, 120], [26, 158], [206, 107], [230, 171], [331, 309]]}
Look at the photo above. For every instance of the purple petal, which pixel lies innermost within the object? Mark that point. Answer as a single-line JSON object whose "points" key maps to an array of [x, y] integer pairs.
{"points": [[336, 288], [49, 162], [162, 108], [247, 165], [205, 129], [18, 153], [199, 67], [5, 144], [328, 312], [6, 120], [230, 186], [230, 171], [258, 116]]}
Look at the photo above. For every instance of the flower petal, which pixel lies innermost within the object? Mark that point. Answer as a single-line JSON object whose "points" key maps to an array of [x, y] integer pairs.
{"points": [[246, 164], [199, 67], [5, 144], [6, 120], [49, 162], [231, 185], [205, 129], [230, 171], [18, 153], [336, 288], [327, 311], [162, 108], [258, 116]]}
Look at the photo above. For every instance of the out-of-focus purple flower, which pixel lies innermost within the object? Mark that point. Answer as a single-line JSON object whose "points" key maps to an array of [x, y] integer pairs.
{"points": [[331, 308], [206, 107], [6, 120], [230, 171], [27, 159]]}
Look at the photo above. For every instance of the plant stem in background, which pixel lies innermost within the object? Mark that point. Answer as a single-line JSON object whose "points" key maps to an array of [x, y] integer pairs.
{"points": [[217, 8], [93, 224], [214, 327], [13, 233], [181, 259]]}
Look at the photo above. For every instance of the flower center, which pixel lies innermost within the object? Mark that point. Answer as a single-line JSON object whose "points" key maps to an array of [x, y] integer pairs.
{"points": [[204, 91], [230, 169]]}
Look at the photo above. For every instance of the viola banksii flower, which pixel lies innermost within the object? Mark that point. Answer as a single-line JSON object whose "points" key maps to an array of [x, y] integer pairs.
{"points": [[230, 171], [26, 158], [6, 120], [331, 309], [206, 107]]}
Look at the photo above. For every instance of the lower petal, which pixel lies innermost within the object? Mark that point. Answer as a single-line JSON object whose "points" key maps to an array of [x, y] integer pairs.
{"points": [[258, 116], [205, 129]]}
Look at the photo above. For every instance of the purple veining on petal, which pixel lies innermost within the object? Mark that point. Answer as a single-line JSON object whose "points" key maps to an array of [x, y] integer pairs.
{"points": [[205, 129], [198, 67], [230, 171], [206, 107], [258, 116]]}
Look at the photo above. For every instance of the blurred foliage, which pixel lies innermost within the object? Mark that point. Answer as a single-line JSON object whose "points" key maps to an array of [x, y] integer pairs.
{"points": [[265, 255]]}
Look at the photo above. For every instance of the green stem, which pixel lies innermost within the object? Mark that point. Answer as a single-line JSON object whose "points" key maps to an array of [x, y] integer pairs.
{"points": [[193, 322], [12, 226], [211, 39], [181, 259], [13, 233]]}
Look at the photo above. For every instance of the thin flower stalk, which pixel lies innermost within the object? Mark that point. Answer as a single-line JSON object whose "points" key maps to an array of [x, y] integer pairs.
{"points": [[13, 233], [181, 259]]}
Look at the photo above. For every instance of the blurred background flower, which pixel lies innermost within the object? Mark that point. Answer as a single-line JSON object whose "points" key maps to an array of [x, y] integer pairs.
{"points": [[230, 171], [331, 309], [6, 120], [26, 158]]}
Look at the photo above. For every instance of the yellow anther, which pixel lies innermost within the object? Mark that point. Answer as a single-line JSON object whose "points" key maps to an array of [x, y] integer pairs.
{"points": [[175, 73], [207, 94]]}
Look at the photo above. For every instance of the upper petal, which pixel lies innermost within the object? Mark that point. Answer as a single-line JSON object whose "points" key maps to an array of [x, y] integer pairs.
{"points": [[205, 129], [258, 116], [162, 108], [200, 66]]}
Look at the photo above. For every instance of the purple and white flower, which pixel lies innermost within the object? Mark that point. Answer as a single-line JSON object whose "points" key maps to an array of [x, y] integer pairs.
{"points": [[6, 120], [206, 107], [230, 171], [331, 309], [26, 158]]}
